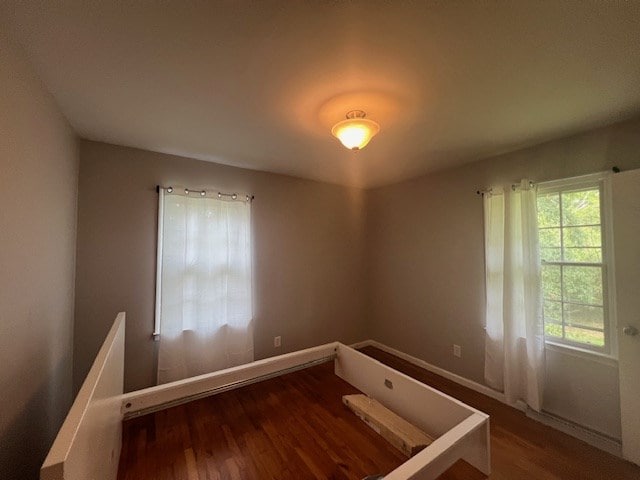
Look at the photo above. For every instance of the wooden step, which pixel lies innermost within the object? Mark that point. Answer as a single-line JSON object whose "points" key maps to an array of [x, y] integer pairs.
{"points": [[396, 430]]}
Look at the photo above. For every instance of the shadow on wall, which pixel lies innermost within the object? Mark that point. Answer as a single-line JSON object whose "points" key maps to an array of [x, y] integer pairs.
{"points": [[25, 441]]}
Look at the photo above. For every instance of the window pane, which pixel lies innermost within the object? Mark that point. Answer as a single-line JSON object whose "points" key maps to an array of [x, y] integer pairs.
{"points": [[581, 208], [549, 210], [553, 330], [583, 255], [582, 284], [584, 316], [550, 254], [570, 232], [581, 335], [551, 283], [582, 237], [549, 237], [577, 237], [552, 312]]}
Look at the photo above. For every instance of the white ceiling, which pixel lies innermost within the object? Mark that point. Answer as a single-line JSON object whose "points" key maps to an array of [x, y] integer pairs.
{"points": [[258, 84]]}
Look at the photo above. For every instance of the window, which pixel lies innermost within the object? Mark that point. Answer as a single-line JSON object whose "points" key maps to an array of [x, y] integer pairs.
{"points": [[573, 256], [203, 291]]}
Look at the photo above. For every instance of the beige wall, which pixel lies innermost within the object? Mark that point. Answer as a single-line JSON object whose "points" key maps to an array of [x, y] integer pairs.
{"points": [[425, 258], [38, 191], [307, 254]]}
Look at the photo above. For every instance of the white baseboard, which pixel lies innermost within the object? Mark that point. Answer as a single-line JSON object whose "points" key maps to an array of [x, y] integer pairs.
{"points": [[364, 343], [437, 370], [591, 437]]}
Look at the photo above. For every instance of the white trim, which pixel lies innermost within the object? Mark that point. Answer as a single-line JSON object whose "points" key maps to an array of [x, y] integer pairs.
{"points": [[362, 344], [606, 220], [588, 355], [158, 311], [591, 437], [578, 182], [465, 382]]}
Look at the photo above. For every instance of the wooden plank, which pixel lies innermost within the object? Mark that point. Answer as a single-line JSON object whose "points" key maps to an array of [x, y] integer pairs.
{"points": [[444, 452], [393, 428], [426, 408]]}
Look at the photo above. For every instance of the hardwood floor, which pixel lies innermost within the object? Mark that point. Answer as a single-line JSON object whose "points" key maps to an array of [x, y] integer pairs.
{"points": [[295, 427], [521, 448], [291, 427]]}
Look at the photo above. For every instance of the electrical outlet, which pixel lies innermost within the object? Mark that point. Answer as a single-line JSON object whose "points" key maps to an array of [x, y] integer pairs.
{"points": [[277, 341], [457, 351]]}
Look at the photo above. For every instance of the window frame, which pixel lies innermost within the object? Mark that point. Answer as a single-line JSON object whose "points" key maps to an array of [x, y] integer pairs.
{"points": [[212, 193], [603, 183]]}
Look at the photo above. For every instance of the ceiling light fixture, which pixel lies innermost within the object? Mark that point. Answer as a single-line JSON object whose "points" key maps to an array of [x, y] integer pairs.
{"points": [[356, 131]]}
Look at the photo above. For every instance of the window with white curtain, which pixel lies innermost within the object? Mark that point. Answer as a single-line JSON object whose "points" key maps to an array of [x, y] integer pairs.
{"points": [[546, 278], [203, 292], [514, 343]]}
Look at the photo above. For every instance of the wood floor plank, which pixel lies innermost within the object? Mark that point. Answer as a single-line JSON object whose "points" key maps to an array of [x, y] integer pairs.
{"points": [[192, 469]]}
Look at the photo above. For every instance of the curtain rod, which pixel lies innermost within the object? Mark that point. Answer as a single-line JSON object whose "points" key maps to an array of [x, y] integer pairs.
{"points": [[484, 191], [202, 193], [514, 186]]}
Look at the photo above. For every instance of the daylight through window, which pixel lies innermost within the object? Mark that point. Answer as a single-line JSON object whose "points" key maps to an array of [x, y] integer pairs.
{"points": [[573, 265]]}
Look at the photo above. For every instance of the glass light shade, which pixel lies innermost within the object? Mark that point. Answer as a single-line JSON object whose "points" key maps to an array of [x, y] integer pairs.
{"points": [[355, 133]]}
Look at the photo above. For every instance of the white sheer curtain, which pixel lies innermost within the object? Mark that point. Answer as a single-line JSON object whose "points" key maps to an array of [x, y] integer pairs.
{"points": [[514, 356], [204, 305]]}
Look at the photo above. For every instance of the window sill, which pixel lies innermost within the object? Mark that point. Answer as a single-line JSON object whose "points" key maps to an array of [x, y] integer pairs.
{"points": [[603, 358]]}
